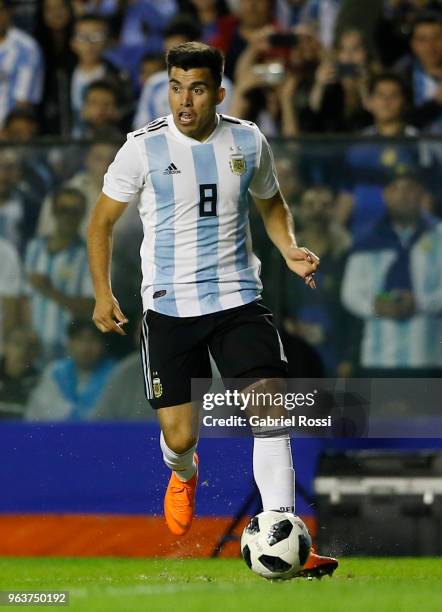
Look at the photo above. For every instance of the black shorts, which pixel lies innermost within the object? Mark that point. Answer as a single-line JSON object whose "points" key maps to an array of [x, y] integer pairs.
{"points": [[243, 342]]}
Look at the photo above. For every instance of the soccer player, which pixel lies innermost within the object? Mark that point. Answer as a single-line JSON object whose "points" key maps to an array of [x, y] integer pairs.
{"points": [[201, 290]]}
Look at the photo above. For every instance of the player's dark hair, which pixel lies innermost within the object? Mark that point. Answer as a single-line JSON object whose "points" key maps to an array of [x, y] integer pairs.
{"points": [[185, 26], [197, 55], [389, 77]]}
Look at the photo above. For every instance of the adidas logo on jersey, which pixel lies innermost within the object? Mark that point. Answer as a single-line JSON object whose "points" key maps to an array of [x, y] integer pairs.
{"points": [[172, 169]]}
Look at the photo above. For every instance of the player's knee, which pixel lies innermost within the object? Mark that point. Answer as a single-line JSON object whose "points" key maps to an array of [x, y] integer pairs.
{"points": [[180, 441]]}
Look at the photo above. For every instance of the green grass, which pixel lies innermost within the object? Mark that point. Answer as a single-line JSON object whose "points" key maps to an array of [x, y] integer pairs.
{"points": [[226, 585]]}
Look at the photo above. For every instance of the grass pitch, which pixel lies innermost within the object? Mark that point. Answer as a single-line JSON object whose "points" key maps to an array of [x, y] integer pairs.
{"points": [[227, 585]]}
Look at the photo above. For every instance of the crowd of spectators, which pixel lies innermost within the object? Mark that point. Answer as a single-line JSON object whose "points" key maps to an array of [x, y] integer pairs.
{"points": [[76, 75]]}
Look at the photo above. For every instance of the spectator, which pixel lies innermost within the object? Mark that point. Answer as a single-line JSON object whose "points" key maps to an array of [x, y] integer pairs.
{"points": [[370, 164], [142, 25], [207, 13], [89, 181], [388, 104], [22, 126], [123, 397], [57, 272], [321, 14], [422, 71], [10, 289], [54, 32], [319, 318], [21, 65], [270, 80], [89, 42], [340, 88], [70, 388], [100, 112], [150, 64], [18, 374], [396, 26], [154, 102], [12, 201], [236, 31], [393, 282]]}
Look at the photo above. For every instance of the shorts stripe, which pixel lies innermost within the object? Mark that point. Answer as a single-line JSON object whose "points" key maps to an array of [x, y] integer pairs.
{"points": [[281, 347], [145, 359]]}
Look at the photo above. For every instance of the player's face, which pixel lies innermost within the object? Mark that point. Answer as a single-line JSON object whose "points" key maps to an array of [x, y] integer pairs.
{"points": [[193, 96]]}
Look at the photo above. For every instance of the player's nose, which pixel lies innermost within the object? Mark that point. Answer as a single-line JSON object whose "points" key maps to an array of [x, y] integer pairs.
{"points": [[186, 98]]}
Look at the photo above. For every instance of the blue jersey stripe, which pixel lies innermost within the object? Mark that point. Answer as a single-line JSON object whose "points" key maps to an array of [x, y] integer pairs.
{"points": [[164, 239], [207, 227]]}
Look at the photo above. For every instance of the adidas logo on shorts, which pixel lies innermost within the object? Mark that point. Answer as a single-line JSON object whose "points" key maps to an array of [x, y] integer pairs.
{"points": [[172, 169]]}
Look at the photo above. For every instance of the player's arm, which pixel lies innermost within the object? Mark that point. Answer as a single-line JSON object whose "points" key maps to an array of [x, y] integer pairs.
{"points": [[107, 314], [279, 225]]}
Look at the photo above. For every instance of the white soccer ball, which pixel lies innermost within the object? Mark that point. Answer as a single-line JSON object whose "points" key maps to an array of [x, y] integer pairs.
{"points": [[275, 544]]}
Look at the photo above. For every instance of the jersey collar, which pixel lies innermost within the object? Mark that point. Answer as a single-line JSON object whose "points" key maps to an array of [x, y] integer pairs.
{"points": [[176, 132]]}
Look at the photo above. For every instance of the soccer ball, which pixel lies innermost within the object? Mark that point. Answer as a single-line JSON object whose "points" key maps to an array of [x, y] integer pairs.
{"points": [[275, 544]]}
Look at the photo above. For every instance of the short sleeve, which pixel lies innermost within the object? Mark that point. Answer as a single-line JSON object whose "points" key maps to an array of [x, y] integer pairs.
{"points": [[125, 176], [264, 184]]}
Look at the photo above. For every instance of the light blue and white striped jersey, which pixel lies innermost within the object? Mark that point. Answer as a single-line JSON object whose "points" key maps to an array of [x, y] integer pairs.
{"points": [[387, 343], [154, 99], [69, 273], [196, 255], [21, 71]]}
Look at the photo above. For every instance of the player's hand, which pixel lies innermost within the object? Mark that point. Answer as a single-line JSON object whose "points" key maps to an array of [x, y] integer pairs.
{"points": [[108, 316], [304, 263]]}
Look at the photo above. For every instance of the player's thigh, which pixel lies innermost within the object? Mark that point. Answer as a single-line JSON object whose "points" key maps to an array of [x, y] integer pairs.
{"points": [[246, 344], [173, 353]]}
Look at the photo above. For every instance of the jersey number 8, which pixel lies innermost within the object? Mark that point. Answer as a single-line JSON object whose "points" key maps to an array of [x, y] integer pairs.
{"points": [[208, 200]]}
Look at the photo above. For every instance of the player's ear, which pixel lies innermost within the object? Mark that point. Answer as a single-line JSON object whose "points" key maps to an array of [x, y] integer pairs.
{"points": [[220, 95]]}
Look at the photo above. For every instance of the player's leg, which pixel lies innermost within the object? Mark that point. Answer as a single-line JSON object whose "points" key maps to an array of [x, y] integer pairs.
{"points": [[248, 352], [172, 354], [248, 347], [179, 438]]}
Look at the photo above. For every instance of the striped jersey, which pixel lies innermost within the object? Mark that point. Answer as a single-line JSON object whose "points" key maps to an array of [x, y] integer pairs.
{"points": [[68, 272], [21, 69], [388, 343], [196, 255]]}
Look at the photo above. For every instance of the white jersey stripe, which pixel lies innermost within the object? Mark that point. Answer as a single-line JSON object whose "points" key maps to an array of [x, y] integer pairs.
{"points": [[145, 359]]}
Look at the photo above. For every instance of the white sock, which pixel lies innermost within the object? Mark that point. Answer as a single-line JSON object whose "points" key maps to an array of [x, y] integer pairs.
{"points": [[274, 473], [182, 464]]}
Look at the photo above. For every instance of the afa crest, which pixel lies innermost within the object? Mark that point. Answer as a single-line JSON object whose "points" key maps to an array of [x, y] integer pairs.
{"points": [[237, 161], [157, 387]]}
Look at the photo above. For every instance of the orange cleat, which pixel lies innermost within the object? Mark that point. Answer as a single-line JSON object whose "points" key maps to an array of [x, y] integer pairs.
{"points": [[317, 566], [179, 502]]}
